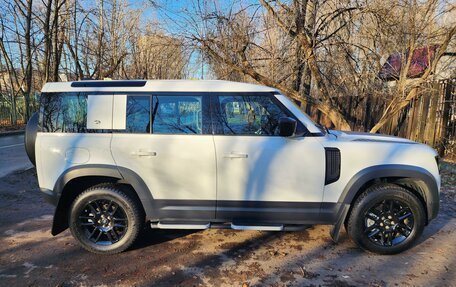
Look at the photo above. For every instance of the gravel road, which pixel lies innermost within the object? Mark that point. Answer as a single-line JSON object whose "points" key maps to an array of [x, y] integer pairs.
{"points": [[30, 256]]}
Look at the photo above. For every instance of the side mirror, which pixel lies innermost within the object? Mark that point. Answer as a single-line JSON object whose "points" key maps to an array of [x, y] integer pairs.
{"points": [[287, 127]]}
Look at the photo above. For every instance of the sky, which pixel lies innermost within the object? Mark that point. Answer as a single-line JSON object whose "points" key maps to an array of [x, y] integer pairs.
{"points": [[170, 12]]}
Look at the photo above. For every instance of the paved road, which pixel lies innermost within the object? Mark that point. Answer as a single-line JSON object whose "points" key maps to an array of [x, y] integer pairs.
{"points": [[12, 154]]}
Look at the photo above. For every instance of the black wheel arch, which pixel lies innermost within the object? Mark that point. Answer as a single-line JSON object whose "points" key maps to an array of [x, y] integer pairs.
{"points": [[416, 179], [79, 178]]}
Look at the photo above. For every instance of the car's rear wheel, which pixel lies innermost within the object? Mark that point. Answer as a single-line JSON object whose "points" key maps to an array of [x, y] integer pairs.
{"points": [[105, 220], [386, 219]]}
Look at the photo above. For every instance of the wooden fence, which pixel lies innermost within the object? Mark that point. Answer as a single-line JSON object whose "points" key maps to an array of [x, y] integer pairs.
{"points": [[430, 119]]}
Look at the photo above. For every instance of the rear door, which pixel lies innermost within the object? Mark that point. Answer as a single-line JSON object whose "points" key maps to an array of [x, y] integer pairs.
{"points": [[165, 139]]}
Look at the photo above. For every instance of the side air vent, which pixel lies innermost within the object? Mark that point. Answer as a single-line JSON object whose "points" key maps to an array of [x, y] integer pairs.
{"points": [[101, 84], [332, 165]]}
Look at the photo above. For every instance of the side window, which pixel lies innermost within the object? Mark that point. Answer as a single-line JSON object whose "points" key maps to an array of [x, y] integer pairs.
{"points": [[177, 114], [247, 115], [138, 114], [63, 112]]}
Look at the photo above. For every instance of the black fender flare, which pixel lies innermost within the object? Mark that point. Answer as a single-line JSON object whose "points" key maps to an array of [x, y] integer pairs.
{"points": [[31, 130], [120, 174], [427, 184]]}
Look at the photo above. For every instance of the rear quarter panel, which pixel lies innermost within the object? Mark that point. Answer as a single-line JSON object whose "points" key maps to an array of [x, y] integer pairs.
{"points": [[57, 152]]}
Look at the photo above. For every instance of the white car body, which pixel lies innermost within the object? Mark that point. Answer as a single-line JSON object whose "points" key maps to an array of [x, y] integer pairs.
{"points": [[209, 178]]}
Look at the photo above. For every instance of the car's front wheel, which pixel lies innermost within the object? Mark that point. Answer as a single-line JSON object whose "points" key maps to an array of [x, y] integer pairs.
{"points": [[105, 220], [386, 219]]}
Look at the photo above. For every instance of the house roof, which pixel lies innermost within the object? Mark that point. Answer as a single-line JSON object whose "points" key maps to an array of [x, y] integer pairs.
{"points": [[421, 59], [155, 86]]}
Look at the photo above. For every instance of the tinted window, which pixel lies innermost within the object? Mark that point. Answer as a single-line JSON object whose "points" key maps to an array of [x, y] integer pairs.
{"points": [[247, 115], [63, 112], [177, 115], [138, 114]]}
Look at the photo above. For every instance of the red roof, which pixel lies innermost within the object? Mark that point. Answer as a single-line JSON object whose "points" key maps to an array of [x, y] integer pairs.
{"points": [[421, 59]]}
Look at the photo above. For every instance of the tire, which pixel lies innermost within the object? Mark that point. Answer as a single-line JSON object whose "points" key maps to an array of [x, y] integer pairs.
{"points": [[105, 220], [386, 219]]}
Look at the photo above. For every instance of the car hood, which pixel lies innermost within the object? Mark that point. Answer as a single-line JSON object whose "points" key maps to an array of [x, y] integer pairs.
{"points": [[368, 137]]}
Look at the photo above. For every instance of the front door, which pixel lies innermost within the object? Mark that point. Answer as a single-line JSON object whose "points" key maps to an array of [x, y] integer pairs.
{"points": [[260, 175], [166, 141]]}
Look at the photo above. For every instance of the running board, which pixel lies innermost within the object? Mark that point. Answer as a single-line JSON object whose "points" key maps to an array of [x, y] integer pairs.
{"points": [[257, 227], [200, 226], [179, 226]]}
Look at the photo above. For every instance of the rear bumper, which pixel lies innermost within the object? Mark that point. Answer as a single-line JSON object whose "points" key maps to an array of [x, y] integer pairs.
{"points": [[50, 196]]}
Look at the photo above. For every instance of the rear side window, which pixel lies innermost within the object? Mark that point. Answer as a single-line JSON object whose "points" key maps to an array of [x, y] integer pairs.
{"points": [[166, 114], [177, 114], [138, 114], [63, 112]]}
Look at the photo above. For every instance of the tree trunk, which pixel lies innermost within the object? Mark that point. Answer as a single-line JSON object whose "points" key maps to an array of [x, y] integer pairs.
{"points": [[325, 103], [56, 60], [99, 72], [28, 58], [12, 75], [47, 41]]}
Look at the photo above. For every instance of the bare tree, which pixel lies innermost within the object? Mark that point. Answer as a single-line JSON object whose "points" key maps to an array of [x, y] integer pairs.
{"points": [[232, 38], [417, 27]]}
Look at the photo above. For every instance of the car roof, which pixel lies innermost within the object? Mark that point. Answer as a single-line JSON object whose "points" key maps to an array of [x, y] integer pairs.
{"points": [[154, 86]]}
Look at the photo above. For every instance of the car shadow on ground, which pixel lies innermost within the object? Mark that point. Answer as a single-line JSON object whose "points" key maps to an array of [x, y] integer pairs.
{"points": [[149, 237]]}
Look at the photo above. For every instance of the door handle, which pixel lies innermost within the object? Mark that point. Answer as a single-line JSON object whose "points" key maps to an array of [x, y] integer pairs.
{"points": [[144, 153], [235, 155]]}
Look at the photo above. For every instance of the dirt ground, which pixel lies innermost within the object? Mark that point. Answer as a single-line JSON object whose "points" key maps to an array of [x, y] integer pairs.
{"points": [[30, 256]]}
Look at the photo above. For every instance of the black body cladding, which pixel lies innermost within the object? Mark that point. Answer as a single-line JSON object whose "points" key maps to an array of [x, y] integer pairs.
{"points": [[332, 165]]}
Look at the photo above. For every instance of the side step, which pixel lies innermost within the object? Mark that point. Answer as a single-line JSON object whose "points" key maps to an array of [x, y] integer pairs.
{"points": [[257, 227], [179, 225], [235, 226]]}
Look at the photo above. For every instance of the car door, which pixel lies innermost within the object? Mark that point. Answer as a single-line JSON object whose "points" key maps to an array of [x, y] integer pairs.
{"points": [[260, 175], [166, 141]]}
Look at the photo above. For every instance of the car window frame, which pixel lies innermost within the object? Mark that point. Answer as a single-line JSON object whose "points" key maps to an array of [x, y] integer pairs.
{"points": [[47, 96], [206, 122], [215, 108], [204, 103]]}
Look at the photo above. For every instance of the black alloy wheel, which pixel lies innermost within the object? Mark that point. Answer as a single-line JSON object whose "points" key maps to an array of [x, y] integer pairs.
{"points": [[389, 222], [103, 221], [386, 219]]}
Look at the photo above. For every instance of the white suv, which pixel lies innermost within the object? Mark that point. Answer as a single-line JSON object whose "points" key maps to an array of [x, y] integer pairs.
{"points": [[116, 155]]}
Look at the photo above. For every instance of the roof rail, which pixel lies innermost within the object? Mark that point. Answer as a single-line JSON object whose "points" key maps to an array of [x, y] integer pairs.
{"points": [[99, 84]]}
